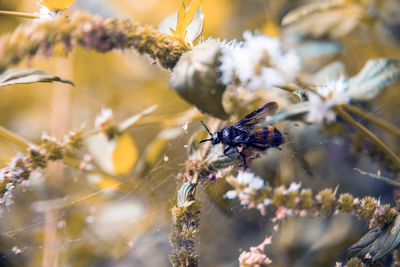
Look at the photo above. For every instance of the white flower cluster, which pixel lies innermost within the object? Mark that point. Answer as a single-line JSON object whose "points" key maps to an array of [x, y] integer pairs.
{"points": [[248, 182], [334, 92], [258, 62], [247, 185]]}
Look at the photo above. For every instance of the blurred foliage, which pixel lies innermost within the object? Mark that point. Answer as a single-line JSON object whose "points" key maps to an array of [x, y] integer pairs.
{"points": [[71, 217]]}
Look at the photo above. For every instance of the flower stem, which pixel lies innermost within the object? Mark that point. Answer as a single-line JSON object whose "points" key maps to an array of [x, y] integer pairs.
{"points": [[340, 111], [14, 138], [378, 177], [19, 14], [24, 144], [380, 122], [90, 32]]}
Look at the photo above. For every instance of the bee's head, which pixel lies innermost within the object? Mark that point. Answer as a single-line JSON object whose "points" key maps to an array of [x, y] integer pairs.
{"points": [[215, 137]]}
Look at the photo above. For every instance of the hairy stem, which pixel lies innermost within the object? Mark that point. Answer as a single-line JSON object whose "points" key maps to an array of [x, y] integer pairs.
{"points": [[90, 32]]}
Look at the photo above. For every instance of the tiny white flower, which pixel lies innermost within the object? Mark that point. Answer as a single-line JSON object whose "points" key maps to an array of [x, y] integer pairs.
{"points": [[321, 109], [257, 183], [267, 201], [10, 186], [260, 206], [16, 250], [293, 187], [244, 177], [104, 117], [231, 194], [250, 180]]}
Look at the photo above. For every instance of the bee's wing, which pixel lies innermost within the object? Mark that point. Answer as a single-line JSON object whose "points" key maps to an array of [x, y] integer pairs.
{"points": [[251, 120]]}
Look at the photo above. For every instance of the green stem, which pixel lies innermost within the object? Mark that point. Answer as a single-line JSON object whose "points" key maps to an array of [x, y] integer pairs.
{"points": [[14, 138], [91, 133], [340, 111], [380, 122], [19, 14]]}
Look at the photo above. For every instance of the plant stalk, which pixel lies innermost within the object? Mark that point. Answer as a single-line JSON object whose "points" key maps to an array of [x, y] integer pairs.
{"points": [[24, 144], [19, 14], [380, 122]]}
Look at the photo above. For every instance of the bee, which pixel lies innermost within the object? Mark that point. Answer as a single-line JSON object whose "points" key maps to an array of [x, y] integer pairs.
{"points": [[248, 133]]}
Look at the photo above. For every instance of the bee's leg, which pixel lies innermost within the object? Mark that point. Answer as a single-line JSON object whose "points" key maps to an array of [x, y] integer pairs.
{"points": [[226, 149], [240, 150], [244, 165]]}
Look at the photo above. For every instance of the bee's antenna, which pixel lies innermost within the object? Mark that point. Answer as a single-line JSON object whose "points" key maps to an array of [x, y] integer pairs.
{"points": [[206, 129], [204, 140]]}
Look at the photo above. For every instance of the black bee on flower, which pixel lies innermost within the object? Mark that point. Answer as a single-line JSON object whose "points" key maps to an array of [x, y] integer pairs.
{"points": [[248, 133]]}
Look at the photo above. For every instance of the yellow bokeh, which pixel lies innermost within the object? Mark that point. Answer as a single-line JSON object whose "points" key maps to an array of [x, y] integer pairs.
{"points": [[56, 5], [154, 150], [125, 154]]}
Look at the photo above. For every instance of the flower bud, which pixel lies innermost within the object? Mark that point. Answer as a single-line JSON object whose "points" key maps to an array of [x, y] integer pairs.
{"points": [[196, 78]]}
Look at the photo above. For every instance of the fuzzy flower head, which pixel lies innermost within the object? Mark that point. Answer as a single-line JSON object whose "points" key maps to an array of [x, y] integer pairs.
{"points": [[259, 62], [250, 180], [104, 118], [247, 183], [334, 92]]}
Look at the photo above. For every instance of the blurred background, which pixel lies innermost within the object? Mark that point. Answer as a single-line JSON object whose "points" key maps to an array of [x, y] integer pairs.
{"points": [[68, 217]]}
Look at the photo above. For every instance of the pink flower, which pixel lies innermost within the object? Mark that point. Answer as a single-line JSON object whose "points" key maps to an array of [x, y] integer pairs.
{"points": [[256, 257]]}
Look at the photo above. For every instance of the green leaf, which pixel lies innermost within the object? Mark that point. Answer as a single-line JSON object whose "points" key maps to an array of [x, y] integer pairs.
{"points": [[190, 32], [186, 194], [191, 12], [377, 75], [332, 71], [180, 27], [377, 243], [24, 76]]}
